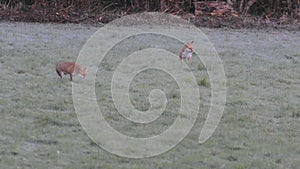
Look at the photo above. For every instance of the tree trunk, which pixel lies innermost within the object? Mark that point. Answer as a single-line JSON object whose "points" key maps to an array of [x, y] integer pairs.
{"points": [[241, 6], [135, 3], [248, 6], [163, 5], [147, 5], [230, 2]]}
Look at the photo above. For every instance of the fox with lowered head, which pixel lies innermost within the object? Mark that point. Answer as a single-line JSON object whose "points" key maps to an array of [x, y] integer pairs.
{"points": [[70, 68]]}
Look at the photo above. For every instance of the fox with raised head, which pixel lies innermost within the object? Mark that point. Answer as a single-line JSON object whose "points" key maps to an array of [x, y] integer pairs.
{"points": [[70, 68], [187, 51]]}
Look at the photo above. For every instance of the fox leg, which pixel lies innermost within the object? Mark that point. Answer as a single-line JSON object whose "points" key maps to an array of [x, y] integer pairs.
{"points": [[190, 57], [180, 58], [71, 77]]}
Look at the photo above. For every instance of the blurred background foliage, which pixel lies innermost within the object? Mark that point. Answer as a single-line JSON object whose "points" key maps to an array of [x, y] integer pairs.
{"points": [[65, 8]]}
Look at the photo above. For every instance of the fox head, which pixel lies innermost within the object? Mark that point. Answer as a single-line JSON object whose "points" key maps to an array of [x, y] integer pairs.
{"points": [[83, 72], [189, 45]]}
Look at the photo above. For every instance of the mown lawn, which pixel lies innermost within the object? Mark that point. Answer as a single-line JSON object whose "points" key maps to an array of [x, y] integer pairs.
{"points": [[259, 129]]}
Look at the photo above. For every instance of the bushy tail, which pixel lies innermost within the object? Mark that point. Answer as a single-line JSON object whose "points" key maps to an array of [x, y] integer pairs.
{"points": [[59, 74]]}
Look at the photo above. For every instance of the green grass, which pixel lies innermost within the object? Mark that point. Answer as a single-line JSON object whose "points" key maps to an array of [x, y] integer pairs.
{"points": [[201, 67], [203, 82], [39, 126]]}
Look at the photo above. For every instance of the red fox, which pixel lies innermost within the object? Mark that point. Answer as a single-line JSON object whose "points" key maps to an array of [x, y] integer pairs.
{"points": [[70, 68], [187, 51]]}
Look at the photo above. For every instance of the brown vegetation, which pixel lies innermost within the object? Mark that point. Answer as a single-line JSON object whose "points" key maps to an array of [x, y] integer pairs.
{"points": [[105, 10]]}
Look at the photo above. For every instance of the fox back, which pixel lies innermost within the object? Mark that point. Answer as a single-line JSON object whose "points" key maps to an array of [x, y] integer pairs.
{"points": [[70, 68]]}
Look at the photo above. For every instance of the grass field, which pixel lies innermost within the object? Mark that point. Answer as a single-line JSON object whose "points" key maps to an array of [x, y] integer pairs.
{"points": [[260, 127]]}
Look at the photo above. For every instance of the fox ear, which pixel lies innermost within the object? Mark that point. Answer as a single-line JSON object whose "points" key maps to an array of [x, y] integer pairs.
{"points": [[192, 41]]}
